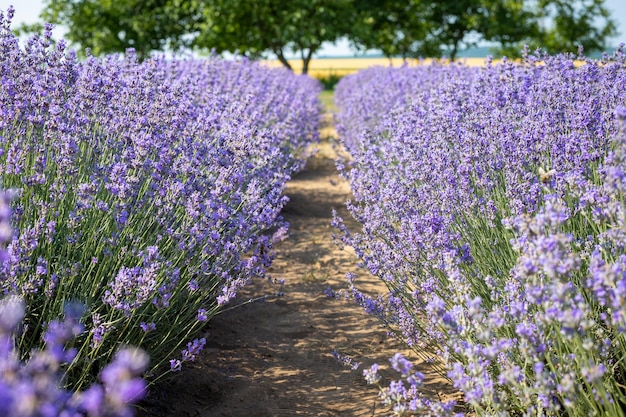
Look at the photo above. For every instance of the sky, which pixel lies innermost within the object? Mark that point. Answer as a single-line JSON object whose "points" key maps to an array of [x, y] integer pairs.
{"points": [[27, 11]]}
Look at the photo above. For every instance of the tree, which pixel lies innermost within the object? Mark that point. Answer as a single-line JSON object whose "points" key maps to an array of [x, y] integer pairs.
{"points": [[249, 27], [256, 27], [417, 28], [510, 23], [565, 25], [106, 26], [457, 24], [556, 26], [433, 28], [396, 28]]}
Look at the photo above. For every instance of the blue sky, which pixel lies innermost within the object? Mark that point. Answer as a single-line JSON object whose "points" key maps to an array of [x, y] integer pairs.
{"points": [[28, 11]]}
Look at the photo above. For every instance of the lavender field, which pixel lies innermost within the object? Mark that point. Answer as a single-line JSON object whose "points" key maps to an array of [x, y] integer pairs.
{"points": [[139, 197], [492, 206]]}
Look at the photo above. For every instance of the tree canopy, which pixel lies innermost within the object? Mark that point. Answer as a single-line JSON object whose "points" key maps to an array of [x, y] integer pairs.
{"points": [[257, 28], [106, 26], [432, 28], [254, 27]]}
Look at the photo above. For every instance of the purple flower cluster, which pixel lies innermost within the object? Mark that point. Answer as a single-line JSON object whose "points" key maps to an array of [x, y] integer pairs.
{"points": [[34, 388], [404, 397], [492, 205], [148, 190], [346, 360], [365, 97]]}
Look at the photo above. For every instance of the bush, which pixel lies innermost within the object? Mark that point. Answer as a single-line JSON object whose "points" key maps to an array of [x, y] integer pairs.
{"points": [[492, 207], [146, 192], [330, 81]]}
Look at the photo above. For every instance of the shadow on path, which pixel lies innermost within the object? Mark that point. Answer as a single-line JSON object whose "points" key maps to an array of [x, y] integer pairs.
{"points": [[274, 358]]}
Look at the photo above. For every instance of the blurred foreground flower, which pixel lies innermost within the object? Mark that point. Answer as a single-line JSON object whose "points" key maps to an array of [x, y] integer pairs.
{"points": [[35, 387]]}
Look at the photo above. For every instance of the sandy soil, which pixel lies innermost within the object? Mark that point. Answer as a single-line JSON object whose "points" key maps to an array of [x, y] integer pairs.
{"points": [[274, 358]]}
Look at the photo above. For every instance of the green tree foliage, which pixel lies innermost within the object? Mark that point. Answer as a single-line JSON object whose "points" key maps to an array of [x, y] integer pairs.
{"points": [[255, 27], [566, 24], [396, 28], [434, 28], [457, 24], [419, 28], [555, 26], [509, 23], [249, 27], [106, 26]]}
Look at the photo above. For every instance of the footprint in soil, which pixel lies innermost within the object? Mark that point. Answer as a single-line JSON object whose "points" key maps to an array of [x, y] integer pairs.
{"points": [[275, 358]]}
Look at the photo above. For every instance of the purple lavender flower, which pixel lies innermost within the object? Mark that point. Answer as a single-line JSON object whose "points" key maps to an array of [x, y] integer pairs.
{"points": [[162, 189], [346, 360], [491, 205], [328, 292], [193, 349], [34, 387], [122, 381], [202, 315], [401, 364], [371, 374], [147, 327], [132, 287], [176, 365]]}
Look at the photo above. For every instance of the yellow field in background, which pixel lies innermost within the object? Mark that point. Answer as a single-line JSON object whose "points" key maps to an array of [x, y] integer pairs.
{"points": [[324, 67]]}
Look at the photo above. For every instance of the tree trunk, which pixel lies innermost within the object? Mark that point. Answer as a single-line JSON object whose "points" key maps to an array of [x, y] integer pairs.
{"points": [[455, 50], [305, 60], [282, 59]]}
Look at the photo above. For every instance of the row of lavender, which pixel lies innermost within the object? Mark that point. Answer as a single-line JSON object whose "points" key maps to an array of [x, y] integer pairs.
{"points": [[141, 197], [492, 204]]}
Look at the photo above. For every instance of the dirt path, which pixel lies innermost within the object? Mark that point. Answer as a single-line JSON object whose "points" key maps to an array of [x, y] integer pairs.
{"points": [[274, 358]]}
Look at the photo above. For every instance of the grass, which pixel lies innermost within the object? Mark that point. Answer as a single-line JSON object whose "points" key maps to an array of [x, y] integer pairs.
{"points": [[327, 97]]}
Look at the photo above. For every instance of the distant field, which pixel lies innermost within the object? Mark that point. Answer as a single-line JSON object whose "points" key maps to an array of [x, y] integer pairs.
{"points": [[325, 67]]}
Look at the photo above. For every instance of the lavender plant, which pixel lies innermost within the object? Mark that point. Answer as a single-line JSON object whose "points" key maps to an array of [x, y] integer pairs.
{"points": [[34, 388], [492, 208], [363, 98], [147, 191]]}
